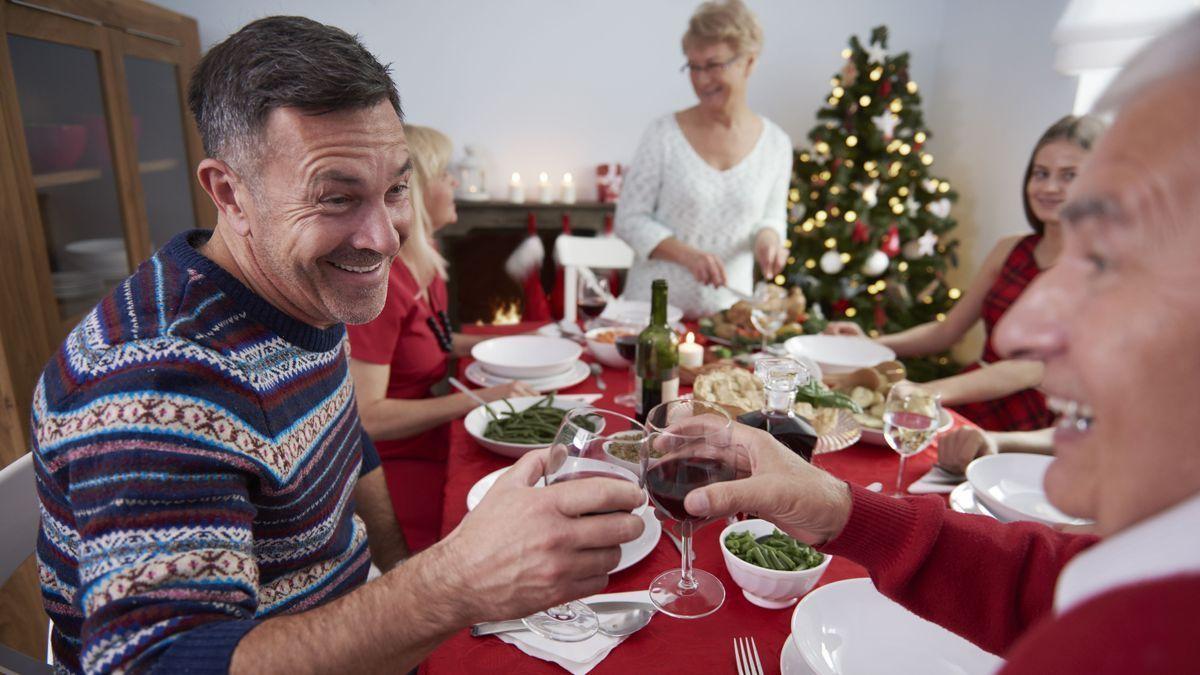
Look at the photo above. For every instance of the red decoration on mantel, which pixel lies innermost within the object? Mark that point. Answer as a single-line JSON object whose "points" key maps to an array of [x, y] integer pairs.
{"points": [[525, 267], [891, 242]]}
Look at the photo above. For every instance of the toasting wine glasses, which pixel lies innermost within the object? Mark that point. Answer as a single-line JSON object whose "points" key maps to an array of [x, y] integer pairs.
{"points": [[690, 447], [911, 416], [589, 443]]}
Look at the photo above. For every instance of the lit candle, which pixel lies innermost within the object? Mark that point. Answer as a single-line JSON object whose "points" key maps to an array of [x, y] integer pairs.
{"points": [[545, 193], [516, 191], [691, 355], [568, 189]]}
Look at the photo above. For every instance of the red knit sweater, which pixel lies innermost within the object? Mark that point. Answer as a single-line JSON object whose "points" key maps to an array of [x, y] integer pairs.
{"points": [[993, 584]]}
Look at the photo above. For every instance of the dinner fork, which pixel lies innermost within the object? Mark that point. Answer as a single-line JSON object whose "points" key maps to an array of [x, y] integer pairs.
{"points": [[745, 653]]}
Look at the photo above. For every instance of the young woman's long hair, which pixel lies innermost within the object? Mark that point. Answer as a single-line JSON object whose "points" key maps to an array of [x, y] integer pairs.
{"points": [[430, 150]]}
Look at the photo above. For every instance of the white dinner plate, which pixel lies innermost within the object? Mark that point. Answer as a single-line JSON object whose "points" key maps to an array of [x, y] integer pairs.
{"points": [[875, 436], [791, 662], [848, 627], [962, 499], [576, 374], [636, 312], [477, 420], [631, 552], [839, 353], [1010, 486], [528, 357]]}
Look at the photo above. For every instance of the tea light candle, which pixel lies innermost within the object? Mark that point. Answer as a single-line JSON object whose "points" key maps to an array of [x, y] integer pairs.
{"points": [[568, 189], [545, 193], [691, 355], [516, 191]]}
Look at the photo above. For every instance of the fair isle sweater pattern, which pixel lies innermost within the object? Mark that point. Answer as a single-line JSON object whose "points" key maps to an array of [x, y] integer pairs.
{"points": [[196, 452]]}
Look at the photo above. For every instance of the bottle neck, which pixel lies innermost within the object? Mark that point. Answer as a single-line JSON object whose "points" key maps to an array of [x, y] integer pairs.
{"points": [[658, 305], [779, 400]]}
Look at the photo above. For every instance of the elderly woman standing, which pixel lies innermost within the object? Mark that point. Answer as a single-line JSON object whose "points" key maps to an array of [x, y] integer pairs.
{"points": [[706, 195]]}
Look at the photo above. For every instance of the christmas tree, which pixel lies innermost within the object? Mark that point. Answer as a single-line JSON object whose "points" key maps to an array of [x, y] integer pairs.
{"points": [[869, 222]]}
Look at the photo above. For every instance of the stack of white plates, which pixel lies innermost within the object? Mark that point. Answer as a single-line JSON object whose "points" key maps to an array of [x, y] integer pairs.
{"points": [[542, 363], [849, 627], [1009, 488], [76, 285], [104, 258]]}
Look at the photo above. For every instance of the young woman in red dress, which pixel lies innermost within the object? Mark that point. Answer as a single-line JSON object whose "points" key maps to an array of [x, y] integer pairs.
{"points": [[398, 357], [1001, 394]]}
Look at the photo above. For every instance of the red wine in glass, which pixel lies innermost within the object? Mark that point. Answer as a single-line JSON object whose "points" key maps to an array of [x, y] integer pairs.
{"points": [[627, 346], [669, 482], [591, 308], [792, 431]]}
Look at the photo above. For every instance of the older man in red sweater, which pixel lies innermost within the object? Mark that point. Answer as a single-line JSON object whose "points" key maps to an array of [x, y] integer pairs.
{"points": [[1117, 323]]}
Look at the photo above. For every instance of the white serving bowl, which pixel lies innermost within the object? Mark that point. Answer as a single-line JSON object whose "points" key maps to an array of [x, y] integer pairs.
{"points": [[526, 356], [1010, 486], [476, 422], [772, 589], [606, 352], [849, 628], [839, 353]]}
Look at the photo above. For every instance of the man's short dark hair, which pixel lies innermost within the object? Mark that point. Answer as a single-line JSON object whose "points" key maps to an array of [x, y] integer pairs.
{"points": [[278, 62]]}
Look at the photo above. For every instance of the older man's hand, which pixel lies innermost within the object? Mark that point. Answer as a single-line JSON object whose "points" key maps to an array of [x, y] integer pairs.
{"points": [[525, 549], [956, 449], [799, 498]]}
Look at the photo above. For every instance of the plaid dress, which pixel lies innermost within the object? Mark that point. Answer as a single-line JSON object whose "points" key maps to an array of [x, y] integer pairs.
{"points": [[1023, 410]]}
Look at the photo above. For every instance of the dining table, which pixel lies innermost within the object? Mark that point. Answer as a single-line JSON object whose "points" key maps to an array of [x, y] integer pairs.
{"points": [[666, 645]]}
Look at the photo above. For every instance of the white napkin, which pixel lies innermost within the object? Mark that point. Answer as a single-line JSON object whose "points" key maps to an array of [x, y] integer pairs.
{"points": [[938, 480], [575, 657]]}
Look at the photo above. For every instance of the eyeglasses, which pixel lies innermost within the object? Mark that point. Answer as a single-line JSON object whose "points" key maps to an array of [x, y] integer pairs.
{"points": [[710, 68]]}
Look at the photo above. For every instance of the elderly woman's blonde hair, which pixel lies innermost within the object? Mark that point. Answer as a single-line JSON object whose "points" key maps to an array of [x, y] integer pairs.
{"points": [[728, 21], [430, 152]]}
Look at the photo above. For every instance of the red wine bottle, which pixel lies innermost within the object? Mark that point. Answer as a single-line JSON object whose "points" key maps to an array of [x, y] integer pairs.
{"points": [[781, 378]]}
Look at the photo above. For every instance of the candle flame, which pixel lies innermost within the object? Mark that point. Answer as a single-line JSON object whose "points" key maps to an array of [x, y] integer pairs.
{"points": [[567, 179], [544, 177], [690, 338], [516, 178]]}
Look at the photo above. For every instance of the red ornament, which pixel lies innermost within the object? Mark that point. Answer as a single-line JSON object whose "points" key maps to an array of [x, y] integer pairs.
{"points": [[885, 89], [840, 306], [880, 316], [917, 146], [891, 242], [860, 235]]}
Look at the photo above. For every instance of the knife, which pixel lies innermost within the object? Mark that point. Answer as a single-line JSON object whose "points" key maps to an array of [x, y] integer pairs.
{"points": [[607, 607]]}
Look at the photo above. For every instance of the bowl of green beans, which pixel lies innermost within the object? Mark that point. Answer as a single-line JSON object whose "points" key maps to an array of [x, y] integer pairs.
{"points": [[772, 569], [512, 427]]}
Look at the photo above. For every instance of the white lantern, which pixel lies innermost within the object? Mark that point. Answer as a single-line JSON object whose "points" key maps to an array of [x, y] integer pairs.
{"points": [[472, 181]]}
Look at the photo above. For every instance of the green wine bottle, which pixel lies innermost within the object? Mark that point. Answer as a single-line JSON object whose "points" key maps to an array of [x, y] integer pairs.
{"points": [[657, 355]]}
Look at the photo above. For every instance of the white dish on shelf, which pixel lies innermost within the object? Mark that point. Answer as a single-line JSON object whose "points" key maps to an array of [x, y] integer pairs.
{"points": [[526, 357], [848, 627], [631, 552], [577, 373], [1010, 486], [477, 420], [839, 353], [103, 257]]}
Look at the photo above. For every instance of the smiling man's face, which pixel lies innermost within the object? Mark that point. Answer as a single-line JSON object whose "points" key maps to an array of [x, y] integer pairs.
{"points": [[1117, 319], [330, 211]]}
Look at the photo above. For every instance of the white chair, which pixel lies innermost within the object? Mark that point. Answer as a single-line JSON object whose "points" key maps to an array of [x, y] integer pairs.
{"points": [[573, 253], [19, 522]]}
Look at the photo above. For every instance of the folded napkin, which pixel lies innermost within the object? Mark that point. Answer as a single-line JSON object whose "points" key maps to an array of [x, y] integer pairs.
{"points": [[575, 657], [938, 480]]}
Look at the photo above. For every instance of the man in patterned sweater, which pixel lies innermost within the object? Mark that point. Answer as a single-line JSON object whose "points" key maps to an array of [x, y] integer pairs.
{"points": [[196, 440]]}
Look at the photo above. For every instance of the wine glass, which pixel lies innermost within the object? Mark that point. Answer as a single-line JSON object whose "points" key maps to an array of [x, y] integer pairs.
{"points": [[592, 296], [689, 448], [589, 443], [910, 421], [626, 344], [768, 310]]}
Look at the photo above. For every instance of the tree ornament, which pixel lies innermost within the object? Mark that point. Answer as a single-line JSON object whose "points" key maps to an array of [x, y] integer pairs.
{"points": [[930, 184], [876, 53], [940, 208], [886, 122], [870, 195], [927, 242], [880, 316], [861, 235], [891, 241], [831, 262], [840, 306], [912, 249], [911, 205], [849, 73], [875, 264], [885, 89]]}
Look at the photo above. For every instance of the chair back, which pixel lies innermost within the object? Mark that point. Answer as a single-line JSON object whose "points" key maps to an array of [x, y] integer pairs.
{"points": [[572, 253], [19, 514]]}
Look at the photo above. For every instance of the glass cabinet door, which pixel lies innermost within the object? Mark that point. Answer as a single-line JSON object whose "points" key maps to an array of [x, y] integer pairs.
{"points": [[154, 103], [66, 134]]}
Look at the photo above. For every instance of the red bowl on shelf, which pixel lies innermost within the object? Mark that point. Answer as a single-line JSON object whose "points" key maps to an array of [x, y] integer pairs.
{"points": [[55, 147]]}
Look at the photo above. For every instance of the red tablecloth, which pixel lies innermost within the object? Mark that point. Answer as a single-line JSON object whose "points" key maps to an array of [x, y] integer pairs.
{"points": [[667, 645]]}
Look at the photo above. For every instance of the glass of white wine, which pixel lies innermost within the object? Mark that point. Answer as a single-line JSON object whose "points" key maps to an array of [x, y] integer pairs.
{"points": [[768, 310], [910, 421]]}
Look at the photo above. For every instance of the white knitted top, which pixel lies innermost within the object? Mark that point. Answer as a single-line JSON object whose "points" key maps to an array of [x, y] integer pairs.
{"points": [[670, 191]]}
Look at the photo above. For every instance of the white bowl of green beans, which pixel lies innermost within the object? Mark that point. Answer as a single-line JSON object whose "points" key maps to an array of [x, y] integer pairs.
{"points": [[772, 571], [514, 426]]}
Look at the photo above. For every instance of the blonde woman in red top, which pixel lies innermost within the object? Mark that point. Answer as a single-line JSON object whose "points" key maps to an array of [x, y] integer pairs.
{"points": [[397, 358]]}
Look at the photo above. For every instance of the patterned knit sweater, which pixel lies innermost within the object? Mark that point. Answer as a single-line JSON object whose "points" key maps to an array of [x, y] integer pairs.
{"points": [[196, 454]]}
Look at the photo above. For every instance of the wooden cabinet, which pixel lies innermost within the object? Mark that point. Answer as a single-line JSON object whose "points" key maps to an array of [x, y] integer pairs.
{"points": [[96, 169]]}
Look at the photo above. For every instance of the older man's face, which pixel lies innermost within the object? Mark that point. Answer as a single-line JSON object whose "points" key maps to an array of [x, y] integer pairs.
{"points": [[1117, 319], [331, 211]]}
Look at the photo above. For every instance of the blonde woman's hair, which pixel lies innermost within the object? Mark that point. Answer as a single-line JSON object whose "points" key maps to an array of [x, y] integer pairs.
{"points": [[430, 152], [728, 21]]}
